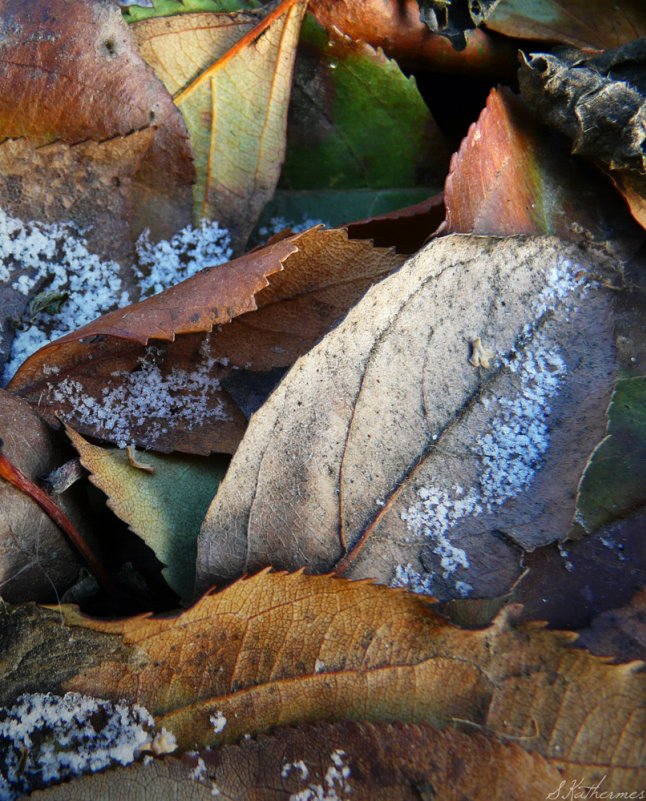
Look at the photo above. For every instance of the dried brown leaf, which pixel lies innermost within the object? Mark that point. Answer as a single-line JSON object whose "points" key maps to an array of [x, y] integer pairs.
{"points": [[275, 650], [36, 561], [386, 453], [511, 176], [362, 761], [266, 309]]}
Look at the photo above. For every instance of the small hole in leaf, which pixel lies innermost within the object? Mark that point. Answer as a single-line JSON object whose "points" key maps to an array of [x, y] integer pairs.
{"points": [[110, 47]]}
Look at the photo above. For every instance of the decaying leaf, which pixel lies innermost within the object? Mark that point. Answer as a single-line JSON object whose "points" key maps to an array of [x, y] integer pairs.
{"points": [[266, 309], [230, 75], [36, 561], [511, 176], [362, 761], [345, 650], [386, 454], [55, 85], [599, 102], [613, 483], [165, 507], [587, 24], [406, 229]]}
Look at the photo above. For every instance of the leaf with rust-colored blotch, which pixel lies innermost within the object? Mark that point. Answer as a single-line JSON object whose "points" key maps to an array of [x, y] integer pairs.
{"points": [[70, 70], [230, 76], [396, 28], [163, 499], [511, 176], [361, 761], [130, 377], [277, 650]]}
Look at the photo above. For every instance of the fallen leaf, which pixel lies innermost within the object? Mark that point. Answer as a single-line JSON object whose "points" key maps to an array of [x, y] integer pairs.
{"points": [[619, 632], [569, 584], [88, 184], [356, 120], [165, 508], [405, 229], [345, 650], [371, 761], [613, 484], [309, 207], [511, 176], [386, 454], [396, 28], [587, 24], [54, 86], [230, 76], [599, 103], [36, 561], [167, 8], [170, 396]]}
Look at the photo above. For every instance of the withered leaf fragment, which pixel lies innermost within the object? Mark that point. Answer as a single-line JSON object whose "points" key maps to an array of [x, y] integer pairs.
{"points": [[384, 454]]}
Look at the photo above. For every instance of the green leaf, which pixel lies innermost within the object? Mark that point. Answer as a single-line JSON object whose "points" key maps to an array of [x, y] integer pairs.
{"points": [[338, 208], [613, 482], [165, 508], [168, 8], [357, 121]]}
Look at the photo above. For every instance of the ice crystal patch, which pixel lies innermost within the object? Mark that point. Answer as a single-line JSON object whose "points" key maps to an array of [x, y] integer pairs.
{"points": [[508, 454], [145, 396], [45, 739], [335, 785]]}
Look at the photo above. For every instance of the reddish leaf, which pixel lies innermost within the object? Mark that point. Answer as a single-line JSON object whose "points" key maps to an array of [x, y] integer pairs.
{"points": [[69, 70], [511, 177], [170, 397]]}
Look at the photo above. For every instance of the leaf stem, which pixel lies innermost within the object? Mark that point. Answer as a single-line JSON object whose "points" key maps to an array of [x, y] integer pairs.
{"points": [[9, 472]]}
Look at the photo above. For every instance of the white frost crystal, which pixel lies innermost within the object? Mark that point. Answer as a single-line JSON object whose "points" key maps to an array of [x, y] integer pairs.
{"points": [[508, 454], [46, 738]]}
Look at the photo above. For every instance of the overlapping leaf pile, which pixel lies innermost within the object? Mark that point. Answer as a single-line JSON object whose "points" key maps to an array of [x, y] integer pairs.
{"points": [[422, 374]]}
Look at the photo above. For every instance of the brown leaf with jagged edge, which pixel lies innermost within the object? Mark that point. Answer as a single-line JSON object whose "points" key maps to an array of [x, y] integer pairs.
{"points": [[361, 761], [458, 402], [511, 176], [70, 70], [189, 393], [280, 649], [36, 561], [230, 75]]}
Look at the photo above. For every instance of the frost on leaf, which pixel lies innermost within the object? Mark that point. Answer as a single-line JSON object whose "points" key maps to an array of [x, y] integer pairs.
{"points": [[419, 470], [46, 739]]}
